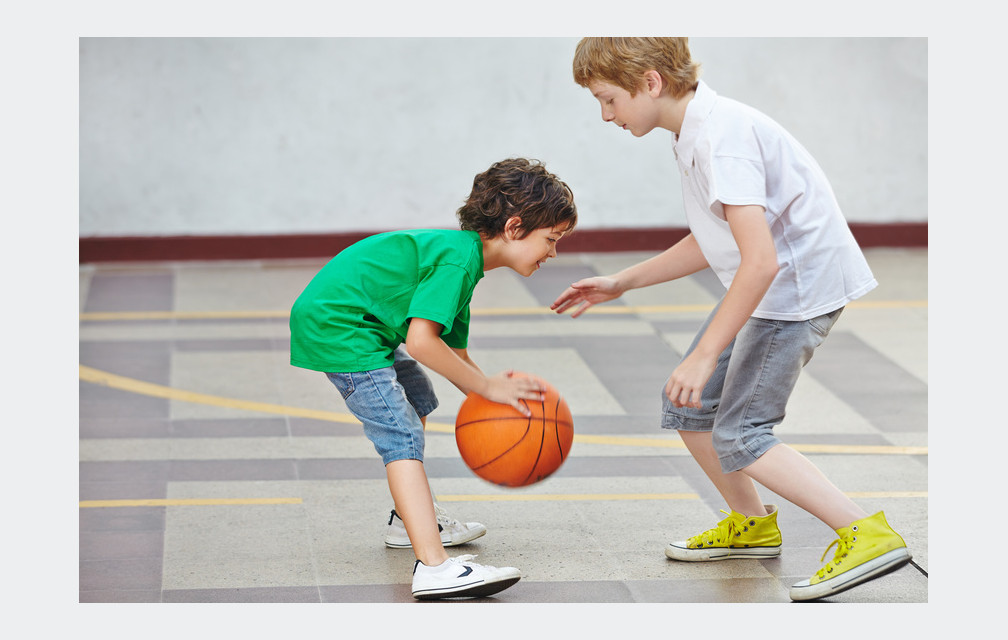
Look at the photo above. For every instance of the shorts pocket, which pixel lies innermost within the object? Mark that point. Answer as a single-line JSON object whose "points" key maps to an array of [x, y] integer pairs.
{"points": [[822, 324], [344, 383]]}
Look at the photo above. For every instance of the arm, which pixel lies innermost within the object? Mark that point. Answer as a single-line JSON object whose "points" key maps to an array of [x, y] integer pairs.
{"points": [[424, 344], [681, 259], [757, 270], [464, 355]]}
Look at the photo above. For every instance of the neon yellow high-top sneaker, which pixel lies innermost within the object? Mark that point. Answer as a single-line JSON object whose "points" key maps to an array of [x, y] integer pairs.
{"points": [[867, 549], [737, 536]]}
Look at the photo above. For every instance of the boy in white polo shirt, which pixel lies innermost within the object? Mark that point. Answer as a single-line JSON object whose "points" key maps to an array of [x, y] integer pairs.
{"points": [[763, 216]]}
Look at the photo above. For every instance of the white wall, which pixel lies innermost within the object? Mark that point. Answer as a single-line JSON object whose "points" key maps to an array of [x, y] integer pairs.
{"points": [[196, 136]]}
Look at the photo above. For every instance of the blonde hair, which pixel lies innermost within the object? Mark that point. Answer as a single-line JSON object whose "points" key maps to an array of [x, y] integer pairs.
{"points": [[624, 61]]}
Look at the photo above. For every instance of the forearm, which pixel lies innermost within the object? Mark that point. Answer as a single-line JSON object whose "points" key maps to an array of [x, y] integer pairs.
{"points": [[757, 269], [681, 259], [743, 297], [452, 364]]}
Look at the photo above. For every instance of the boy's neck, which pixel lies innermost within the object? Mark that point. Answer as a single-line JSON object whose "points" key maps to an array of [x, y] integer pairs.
{"points": [[674, 111], [491, 253]]}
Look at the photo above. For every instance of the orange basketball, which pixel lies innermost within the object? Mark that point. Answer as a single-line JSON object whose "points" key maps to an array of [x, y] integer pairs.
{"points": [[506, 448]]}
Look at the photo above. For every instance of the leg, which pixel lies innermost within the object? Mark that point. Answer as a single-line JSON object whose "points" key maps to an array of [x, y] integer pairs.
{"points": [[420, 395], [766, 361], [793, 476], [414, 504], [391, 423], [736, 488], [695, 428]]}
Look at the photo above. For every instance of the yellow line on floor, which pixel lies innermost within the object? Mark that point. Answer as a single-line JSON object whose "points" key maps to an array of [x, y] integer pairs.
{"points": [[470, 497], [105, 379], [119, 316], [556, 497], [186, 502], [181, 315], [111, 380], [547, 497]]}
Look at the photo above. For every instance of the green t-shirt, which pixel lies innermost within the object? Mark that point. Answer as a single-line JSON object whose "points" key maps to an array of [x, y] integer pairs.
{"points": [[356, 310]]}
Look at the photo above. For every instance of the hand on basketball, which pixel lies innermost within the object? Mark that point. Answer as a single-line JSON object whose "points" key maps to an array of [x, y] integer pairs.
{"points": [[507, 388], [686, 383], [586, 293]]}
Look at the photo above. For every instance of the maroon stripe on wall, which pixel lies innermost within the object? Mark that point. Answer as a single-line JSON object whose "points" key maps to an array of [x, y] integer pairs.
{"points": [[324, 245]]}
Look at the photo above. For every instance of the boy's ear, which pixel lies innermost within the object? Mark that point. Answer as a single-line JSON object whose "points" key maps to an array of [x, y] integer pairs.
{"points": [[654, 83], [512, 227]]}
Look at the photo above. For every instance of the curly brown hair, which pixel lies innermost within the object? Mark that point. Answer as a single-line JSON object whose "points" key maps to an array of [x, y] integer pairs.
{"points": [[517, 187]]}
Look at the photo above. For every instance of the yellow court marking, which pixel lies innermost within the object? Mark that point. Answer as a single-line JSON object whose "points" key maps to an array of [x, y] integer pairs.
{"points": [[501, 311], [105, 379], [557, 497], [111, 380], [471, 497], [186, 502], [598, 497], [886, 494], [103, 316]]}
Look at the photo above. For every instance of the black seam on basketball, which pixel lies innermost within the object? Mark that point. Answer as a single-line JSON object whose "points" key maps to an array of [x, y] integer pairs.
{"points": [[528, 425], [543, 419], [556, 432], [482, 420], [542, 439]]}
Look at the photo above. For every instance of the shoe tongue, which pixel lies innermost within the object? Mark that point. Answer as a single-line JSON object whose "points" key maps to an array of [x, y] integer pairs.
{"points": [[845, 533], [738, 517]]}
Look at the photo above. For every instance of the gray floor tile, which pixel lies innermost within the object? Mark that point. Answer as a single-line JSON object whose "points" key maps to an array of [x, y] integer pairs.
{"points": [[593, 533]]}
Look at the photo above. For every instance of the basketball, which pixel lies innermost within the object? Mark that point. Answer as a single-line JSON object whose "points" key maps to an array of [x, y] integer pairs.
{"points": [[506, 448]]}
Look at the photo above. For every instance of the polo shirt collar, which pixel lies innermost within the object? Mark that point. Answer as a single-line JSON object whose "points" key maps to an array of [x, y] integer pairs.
{"points": [[696, 114]]}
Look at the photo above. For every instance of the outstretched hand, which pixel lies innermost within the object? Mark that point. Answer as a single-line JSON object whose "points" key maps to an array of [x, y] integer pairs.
{"points": [[587, 293]]}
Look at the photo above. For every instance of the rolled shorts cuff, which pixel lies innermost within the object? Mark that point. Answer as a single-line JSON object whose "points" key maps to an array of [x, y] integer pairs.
{"points": [[426, 406], [401, 454], [750, 453], [682, 422]]}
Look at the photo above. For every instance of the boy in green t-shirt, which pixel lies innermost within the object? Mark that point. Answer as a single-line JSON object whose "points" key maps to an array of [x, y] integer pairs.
{"points": [[398, 298]]}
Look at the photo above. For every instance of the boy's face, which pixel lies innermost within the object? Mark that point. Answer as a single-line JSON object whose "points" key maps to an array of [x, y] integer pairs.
{"points": [[527, 254], [637, 114]]}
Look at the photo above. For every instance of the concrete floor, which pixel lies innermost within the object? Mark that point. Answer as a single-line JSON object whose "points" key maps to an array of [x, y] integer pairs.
{"points": [[213, 471]]}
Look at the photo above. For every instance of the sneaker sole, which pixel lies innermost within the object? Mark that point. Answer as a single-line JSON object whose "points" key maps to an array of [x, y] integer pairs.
{"points": [[477, 590], [444, 543], [719, 553], [880, 566]]}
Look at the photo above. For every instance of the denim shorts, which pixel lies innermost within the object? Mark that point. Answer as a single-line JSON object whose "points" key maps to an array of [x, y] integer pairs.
{"points": [[389, 402], [746, 395]]}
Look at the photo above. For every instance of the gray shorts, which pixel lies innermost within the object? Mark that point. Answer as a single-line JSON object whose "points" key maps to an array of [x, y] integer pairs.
{"points": [[746, 395]]}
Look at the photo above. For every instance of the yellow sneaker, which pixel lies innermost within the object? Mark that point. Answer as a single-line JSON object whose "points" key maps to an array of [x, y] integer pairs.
{"points": [[867, 549], [737, 536]]}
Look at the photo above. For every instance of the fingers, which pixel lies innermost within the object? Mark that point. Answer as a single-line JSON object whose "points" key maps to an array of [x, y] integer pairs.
{"points": [[522, 409], [522, 388], [681, 395], [530, 389], [572, 297], [565, 300]]}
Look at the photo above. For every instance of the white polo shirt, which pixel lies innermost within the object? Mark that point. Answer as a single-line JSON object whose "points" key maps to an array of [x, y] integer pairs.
{"points": [[730, 153]]}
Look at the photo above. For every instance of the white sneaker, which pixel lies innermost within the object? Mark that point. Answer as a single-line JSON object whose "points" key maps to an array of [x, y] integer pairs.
{"points": [[453, 532], [460, 578]]}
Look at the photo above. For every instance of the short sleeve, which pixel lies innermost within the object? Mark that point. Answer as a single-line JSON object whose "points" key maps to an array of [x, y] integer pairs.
{"points": [[442, 295]]}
